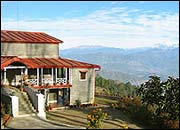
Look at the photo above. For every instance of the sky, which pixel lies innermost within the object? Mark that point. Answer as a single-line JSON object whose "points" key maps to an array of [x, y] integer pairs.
{"points": [[120, 24]]}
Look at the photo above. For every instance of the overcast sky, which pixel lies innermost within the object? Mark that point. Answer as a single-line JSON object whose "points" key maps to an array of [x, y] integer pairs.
{"points": [[120, 24]]}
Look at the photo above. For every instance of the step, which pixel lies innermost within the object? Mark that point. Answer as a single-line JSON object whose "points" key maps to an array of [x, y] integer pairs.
{"points": [[26, 108], [25, 115]]}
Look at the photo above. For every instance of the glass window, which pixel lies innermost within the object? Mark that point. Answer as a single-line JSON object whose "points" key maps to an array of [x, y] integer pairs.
{"points": [[83, 75]]}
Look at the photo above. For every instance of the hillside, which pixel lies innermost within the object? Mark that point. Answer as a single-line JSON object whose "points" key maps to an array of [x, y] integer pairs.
{"points": [[134, 65]]}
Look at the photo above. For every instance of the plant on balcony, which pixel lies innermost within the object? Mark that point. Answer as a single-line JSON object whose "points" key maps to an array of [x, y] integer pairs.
{"points": [[21, 88], [67, 81]]}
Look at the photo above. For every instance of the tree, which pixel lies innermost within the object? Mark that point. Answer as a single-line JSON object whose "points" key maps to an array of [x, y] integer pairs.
{"points": [[162, 96], [171, 97], [152, 91]]}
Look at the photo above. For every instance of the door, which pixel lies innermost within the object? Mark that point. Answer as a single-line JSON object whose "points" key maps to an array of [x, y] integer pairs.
{"points": [[60, 97]]}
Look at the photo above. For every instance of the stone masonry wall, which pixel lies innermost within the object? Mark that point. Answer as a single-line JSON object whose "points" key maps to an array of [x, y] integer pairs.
{"points": [[82, 90], [28, 50]]}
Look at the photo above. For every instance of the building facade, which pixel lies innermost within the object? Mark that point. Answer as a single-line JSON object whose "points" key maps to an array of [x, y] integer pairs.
{"points": [[33, 58]]}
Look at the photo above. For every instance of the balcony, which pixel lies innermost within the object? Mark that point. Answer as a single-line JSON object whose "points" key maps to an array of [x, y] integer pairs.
{"points": [[48, 78]]}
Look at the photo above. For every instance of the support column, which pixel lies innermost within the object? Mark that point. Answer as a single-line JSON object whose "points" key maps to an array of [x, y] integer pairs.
{"points": [[66, 74], [15, 106], [42, 76], [70, 75], [52, 76], [37, 76], [56, 75], [26, 71], [4, 75]]}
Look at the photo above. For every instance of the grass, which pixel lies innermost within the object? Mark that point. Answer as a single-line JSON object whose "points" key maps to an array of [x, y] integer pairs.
{"points": [[78, 116], [104, 101]]}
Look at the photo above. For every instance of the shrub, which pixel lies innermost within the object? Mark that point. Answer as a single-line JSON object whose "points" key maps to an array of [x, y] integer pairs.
{"points": [[172, 124], [95, 118], [78, 102]]}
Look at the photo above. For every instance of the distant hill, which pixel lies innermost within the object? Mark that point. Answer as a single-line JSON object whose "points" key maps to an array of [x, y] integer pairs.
{"points": [[133, 65]]}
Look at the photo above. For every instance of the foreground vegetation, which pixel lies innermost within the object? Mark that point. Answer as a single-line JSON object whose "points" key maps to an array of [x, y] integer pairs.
{"points": [[156, 103], [114, 87]]}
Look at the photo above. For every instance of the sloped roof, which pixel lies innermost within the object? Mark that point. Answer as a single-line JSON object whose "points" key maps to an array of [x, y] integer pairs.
{"points": [[46, 62], [27, 37]]}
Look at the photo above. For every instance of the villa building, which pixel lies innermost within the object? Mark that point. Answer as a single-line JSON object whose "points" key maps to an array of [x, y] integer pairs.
{"points": [[33, 58]]}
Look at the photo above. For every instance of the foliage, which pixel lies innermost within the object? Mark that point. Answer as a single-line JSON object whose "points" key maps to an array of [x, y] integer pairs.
{"points": [[48, 107], [133, 108], [78, 102], [163, 97], [95, 118], [114, 87], [3, 112], [6, 104]]}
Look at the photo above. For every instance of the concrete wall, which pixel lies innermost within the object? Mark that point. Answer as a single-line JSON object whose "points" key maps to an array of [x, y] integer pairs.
{"points": [[28, 50], [32, 92], [82, 90], [37, 100]]}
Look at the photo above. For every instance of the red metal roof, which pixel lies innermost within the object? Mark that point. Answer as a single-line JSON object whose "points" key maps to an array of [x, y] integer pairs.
{"points": [[46, 62], [27, 37], [7, 60]]}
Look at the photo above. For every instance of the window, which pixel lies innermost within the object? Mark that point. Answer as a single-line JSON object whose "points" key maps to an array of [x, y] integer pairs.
{"points": [[53, 95], [83, 75]]}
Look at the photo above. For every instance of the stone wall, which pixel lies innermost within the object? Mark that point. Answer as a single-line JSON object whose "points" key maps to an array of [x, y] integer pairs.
{"points": [[29, 50], [82, 90]]}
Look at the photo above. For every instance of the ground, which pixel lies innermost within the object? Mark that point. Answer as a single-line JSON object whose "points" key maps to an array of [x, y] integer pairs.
{"points": [[78, 117], [33, 122]]}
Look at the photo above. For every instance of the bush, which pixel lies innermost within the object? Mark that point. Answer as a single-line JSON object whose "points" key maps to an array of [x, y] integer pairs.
{"points": [[95, 118], [172, 124], [78, 102]]}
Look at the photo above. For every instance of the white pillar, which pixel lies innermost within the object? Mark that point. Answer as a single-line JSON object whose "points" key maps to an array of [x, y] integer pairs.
{"points": [[70, 75], [42, 76], [41, 107], [21, 71], [15, 106], [52, 76], [26, 71], [21, 75], [37, 76], [4, 75], [56, 75], [66, 74]]}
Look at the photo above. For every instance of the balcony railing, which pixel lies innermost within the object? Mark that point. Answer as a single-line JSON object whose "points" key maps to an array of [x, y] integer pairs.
{"points": [[33, 81], [46, 81], [61, 80]]}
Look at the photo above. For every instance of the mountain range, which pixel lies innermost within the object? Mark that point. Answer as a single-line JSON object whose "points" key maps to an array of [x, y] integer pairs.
{"points": [[129, 65]]}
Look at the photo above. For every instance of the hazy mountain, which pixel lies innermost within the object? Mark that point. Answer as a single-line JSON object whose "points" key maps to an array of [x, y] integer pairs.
{"points": [[134, 65]]}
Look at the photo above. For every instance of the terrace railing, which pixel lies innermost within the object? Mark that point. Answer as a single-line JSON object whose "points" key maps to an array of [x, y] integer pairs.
{"points": [[61, 80], [47, 81], [33, 81]]}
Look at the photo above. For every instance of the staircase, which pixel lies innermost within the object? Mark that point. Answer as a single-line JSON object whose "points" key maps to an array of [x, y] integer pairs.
{"points": [[25, 106]]}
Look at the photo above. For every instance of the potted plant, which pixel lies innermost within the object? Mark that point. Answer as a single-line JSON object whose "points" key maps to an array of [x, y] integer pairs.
{"points": [[78, 103], [22, 88]]}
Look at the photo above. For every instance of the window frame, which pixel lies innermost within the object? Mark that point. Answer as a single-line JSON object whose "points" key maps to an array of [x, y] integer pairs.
{"points": [[83, 71]]}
